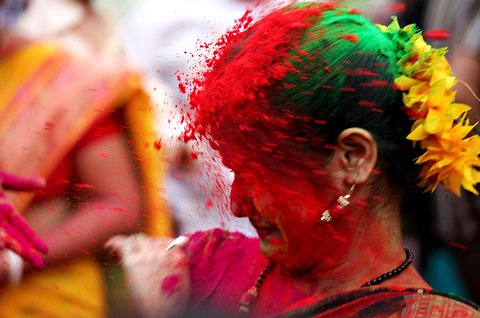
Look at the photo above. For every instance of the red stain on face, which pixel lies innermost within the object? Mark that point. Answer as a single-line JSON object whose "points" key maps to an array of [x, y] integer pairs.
{"points": [[284, 203]]}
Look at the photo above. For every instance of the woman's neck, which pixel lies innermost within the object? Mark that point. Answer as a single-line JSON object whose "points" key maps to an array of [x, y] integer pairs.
{"points": [[375, 249]]}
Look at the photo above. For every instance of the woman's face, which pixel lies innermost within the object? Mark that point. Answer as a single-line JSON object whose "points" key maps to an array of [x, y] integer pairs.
{"points": [[285, 205]]}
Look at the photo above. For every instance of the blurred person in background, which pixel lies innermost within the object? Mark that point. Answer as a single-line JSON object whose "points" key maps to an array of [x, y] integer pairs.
{"points": [[448, 235], [67, 95], [453, 249]]}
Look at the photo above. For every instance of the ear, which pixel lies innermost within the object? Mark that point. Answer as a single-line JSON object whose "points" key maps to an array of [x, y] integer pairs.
{"points": [[354, 157]]}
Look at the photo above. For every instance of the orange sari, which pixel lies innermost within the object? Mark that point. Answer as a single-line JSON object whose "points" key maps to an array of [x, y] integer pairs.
{"points": [[48, 100]]}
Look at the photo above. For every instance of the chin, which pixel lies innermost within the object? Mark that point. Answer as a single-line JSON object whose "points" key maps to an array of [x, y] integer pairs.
{"points": [[288, 261], [275, 253], [279, 257]]}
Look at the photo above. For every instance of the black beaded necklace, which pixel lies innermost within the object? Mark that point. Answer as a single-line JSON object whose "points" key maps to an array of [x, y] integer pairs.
{"points": [[249, 297], [394, 272]]}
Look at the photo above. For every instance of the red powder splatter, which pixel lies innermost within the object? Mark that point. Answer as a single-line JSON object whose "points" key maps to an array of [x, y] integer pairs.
{"points": [[398, 7], [365, 72], [276, 241], [194, 155], [331, 147], [182, 88], [458, 245], [376, 83], [305, 54], [169, 285], [327, 69], [438, 34], [209, 204], [157, 144], [350, 37], [355, 11], [83, 186], [103, 155], [366, 103], [378, 198]]}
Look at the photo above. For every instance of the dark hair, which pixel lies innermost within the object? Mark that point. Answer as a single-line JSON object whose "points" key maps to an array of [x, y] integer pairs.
{"points": [[345, 78]]}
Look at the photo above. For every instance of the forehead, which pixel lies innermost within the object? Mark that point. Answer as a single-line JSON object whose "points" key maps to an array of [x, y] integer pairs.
{"points": [[266, 160]]}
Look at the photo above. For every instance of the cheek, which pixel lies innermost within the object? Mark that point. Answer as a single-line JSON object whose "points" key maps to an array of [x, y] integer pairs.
{"points": [[302, 205]]}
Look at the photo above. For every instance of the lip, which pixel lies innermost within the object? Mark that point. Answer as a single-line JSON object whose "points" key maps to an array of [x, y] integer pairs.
{"points": [[265, 231], [265, 228]]}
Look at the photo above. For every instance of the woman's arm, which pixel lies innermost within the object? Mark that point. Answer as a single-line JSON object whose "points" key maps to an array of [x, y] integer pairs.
{"points": [[113, 206]]}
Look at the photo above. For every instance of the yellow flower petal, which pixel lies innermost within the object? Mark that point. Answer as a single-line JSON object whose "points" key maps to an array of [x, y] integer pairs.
{"points": [[418, 133], [404, 82], [441, 126]]}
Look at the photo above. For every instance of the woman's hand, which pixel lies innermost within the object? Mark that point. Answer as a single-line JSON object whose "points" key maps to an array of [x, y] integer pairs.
{"points": [[157, 273], [15, 234]]}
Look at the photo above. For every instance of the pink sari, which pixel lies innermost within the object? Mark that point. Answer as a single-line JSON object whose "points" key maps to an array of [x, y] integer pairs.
{"points": [[224, 265]]}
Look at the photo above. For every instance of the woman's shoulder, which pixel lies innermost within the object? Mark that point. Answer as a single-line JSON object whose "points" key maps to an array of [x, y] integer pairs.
{"points": [[214, 256], [385, 302], [218, 243], [421, 303]]}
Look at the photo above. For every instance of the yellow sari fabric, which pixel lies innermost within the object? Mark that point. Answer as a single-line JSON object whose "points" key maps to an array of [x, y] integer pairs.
{"points": [[48, 100]]}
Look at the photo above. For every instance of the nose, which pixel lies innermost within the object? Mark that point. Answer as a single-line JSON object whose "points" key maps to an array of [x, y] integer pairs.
{"points": [[237, 209], [240, 202]]}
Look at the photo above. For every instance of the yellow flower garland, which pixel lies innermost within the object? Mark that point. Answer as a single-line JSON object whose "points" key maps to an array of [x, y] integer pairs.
{"points": [[440, 125]]}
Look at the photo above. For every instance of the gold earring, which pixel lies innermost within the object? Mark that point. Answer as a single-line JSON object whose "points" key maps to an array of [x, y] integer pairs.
{"points": [[337, 209]]}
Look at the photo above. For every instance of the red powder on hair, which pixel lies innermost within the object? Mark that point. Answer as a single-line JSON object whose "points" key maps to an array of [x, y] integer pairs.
{"points": [[365, 72], [378, 198], [366, 103], [236, 113], [355, 11], [350, 37], [377, 83]]}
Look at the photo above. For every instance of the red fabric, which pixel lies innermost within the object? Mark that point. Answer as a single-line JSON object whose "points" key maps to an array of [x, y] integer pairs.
{"points": [[63, 176], [225, 265]]}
